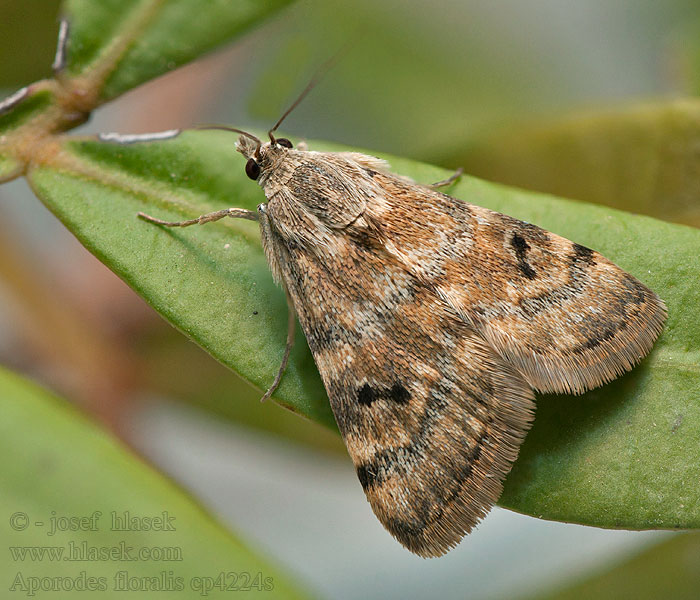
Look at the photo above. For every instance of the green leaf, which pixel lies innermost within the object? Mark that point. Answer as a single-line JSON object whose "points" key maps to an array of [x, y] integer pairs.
{"points": [[60, 468], [124, 43], [620, 456], [644, 159], [23, 106], [666, 570]]}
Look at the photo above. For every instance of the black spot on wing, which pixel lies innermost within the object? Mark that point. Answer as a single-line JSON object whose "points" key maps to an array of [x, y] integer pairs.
{"points": [[397, 393], [368, 479], [582, 254], [526, 270], [520, 247], [366, 395]]}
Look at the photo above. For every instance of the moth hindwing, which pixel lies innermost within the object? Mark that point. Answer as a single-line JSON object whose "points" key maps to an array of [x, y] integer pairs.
{"points": [[432, 322]]}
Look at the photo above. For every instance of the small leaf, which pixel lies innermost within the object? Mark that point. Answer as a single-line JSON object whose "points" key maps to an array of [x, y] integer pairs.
{"points": [[644, 159], [621, 456], [59, 468], [125, 43]]}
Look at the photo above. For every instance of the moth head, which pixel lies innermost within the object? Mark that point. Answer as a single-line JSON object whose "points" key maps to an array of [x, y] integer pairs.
{"points": [[261, 157]]}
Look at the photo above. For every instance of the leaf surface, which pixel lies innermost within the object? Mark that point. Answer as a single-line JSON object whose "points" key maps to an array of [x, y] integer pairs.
{"points": [[71, 487], [644, 159], [125, 43]]}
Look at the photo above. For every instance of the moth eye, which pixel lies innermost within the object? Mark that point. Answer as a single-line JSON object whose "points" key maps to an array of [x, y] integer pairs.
{"points": [[252, 169], [284, 142]]}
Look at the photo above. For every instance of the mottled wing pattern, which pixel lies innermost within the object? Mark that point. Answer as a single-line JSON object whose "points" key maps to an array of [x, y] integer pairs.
{"points": [[432, 417], [431, 321], [561, 314]]}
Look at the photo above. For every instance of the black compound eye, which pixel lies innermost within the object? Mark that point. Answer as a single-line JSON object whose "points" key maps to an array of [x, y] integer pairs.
{"points": [[252, 169], [284, 142]]}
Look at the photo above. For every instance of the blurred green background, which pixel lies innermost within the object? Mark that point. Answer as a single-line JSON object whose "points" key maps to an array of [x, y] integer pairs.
{"points": [[521, 92]]}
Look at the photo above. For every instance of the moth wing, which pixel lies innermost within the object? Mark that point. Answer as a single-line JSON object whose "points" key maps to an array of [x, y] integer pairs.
{"points": [[431, 416], [561, 314]]}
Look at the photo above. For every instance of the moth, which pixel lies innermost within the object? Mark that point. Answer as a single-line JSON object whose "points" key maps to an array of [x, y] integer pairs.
{"points": [[432, 322]]}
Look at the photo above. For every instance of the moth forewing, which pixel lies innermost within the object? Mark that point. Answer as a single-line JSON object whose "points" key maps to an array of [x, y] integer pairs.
{"points": [[432, 321]]}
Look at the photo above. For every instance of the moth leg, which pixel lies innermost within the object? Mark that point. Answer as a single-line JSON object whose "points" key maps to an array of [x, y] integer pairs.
{"points": [[291, 328], [236, 213], [445, 182]]}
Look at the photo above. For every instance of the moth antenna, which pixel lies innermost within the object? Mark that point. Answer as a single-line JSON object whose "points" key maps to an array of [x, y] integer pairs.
{"points": [[234, 130], [320, 74]]}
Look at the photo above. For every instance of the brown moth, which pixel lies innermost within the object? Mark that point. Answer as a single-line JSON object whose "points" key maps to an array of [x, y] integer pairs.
{"points": [[433, 322]]}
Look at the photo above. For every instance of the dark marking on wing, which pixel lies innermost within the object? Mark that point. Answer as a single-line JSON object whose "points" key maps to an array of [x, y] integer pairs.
{"points": [[533, 305], [583, 254], [520, 246], [607, 332], [635, 292], [397, 461], [397, 393], [366, 395], [367, 477], [461, 473], [325, 337]]}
